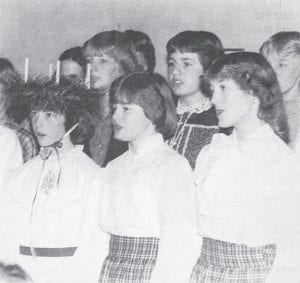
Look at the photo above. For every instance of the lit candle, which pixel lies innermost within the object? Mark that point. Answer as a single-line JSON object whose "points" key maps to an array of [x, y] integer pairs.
{"points": [[57, 72], [88, 76], [26, 72], [50, 70]]}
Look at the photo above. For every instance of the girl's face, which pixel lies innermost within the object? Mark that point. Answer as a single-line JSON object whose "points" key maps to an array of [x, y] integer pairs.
{"points": [[129, 122], [48, 126], [184, 70], [287, 69], [233, 105], [71, 69], [104, 70]]}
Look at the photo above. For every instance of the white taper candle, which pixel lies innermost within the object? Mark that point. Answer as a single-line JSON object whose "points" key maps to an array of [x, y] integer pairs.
{"points": [[57, 77]]}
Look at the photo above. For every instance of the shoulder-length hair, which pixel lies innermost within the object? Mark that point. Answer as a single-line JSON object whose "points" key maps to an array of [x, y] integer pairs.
{"points": [[141, 89], [253, 74], [114, 44]]}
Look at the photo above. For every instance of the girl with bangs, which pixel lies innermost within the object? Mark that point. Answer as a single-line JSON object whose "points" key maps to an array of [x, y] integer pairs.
{"points": [[110, 56], [247, 199], [147, 196], [50, 206], [190, 53]]}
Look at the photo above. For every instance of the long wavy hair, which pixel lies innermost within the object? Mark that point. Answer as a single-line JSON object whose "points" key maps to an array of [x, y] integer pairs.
{"points": [[254, 75]]}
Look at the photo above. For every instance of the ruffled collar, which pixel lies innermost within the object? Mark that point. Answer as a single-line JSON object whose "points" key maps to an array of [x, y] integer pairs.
{"points": [[198, 108]]}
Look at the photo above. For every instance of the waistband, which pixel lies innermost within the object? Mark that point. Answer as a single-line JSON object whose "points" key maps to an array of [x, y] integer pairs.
{"points": [[47, 252], [227, 254], [133, 247]]}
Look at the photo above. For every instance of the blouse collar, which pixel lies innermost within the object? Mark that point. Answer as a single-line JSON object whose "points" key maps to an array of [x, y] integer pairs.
{"points": [[198, 108], [152, 142], [255, 143]]}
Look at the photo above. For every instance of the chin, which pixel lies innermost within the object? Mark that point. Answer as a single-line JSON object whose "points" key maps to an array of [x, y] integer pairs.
{"points": [[224, 124], [120, 137]]}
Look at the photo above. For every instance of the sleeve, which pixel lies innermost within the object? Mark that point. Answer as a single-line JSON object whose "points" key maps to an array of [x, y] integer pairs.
{"points": [[93, 243], [286, 210], [11, 154], [100, 141], [179, 244]]}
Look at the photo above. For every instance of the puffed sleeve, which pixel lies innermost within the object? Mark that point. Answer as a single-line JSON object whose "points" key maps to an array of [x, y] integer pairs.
{"points": [[285, 210], [179, 244], [93, 243]]}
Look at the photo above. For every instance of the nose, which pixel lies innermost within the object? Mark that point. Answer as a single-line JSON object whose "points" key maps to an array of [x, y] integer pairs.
{"points": [[37, 122], [176, 70], [116, 114], [215, 99]]}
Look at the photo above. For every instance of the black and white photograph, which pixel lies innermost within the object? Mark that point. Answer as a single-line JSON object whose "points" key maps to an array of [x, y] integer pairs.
{"points": [[149, 141]]}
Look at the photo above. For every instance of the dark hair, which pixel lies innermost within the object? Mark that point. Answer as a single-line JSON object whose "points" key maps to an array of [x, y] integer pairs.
{"points": [[8, 72], [254, 75], [9, 77], [75, 54], [73, 101], [13, 273], [142, 43], [283, 43], [206, 44], [141, 89], [171, 117], [115, 44]]}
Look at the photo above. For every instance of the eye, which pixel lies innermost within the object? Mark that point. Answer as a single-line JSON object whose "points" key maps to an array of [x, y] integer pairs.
{"points": [[103, 61], [50, 115], [171, 64], [282, 65], [187, 64], [222, 87], [33, 113], [125, 108]]}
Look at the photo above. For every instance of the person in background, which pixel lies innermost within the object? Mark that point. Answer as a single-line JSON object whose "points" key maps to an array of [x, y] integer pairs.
{"points": [[110, 57], [13, 115], [49, 206], [73, 64], [143, 49], [282, 50], [247, 183], [149, 214], [190, 53], [13, 273]]}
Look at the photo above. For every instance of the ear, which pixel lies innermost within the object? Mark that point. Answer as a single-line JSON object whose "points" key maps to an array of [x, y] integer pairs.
{"points": [[255, 102]]}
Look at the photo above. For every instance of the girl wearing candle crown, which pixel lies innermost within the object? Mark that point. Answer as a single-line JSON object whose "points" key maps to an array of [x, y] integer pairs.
{"points": [[51, 204], [247, 182]]}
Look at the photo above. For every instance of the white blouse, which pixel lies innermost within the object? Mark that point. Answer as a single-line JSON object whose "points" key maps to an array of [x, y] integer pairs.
{"points": [[44, 216], [151, 194], [248, 191], [11, 153]]}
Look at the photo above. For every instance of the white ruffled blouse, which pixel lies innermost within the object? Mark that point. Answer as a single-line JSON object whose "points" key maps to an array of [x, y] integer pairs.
{"points": [[40, 214], [248, 192], [150, 193]]}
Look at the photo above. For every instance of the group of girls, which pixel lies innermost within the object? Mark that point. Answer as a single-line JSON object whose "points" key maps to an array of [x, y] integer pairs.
{"points": [[207, 191]]}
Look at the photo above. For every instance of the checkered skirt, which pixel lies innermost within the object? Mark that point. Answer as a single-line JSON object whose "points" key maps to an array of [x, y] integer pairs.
{"points": [[231, 263], [130, 259]]}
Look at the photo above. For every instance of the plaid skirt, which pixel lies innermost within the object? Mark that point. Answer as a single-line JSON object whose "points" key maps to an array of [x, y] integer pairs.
{"points": [[130, 259], [231, 263]]}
